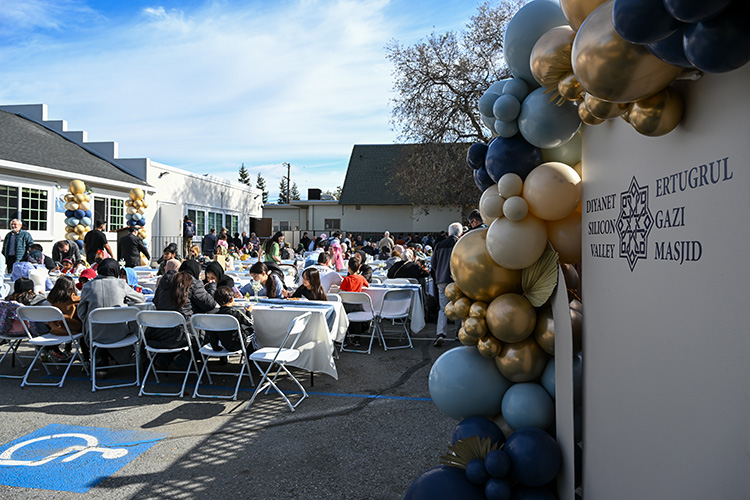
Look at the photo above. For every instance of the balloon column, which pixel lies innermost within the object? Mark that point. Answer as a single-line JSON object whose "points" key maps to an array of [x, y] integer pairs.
{"points": [[135, 210], [77, 212]]}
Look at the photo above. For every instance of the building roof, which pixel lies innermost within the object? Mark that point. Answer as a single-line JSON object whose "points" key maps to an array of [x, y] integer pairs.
{"points": [[25, 141]]}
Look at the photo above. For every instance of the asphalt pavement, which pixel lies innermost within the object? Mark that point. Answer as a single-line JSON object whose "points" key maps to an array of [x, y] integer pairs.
{"points": [[367, 435]]}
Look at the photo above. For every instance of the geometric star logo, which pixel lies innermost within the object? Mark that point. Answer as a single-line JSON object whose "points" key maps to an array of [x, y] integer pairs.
{"points": [[634, 223]]}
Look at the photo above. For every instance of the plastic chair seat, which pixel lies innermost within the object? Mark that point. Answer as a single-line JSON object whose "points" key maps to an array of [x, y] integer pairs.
{"points": [[267, 354], [49, 340], [126, 342]]}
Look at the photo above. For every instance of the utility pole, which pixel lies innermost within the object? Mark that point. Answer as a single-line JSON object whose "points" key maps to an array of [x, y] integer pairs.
{"points": [[288, 182]]}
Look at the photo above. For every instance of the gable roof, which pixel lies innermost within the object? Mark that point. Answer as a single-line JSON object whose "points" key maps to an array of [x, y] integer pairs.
{"points": [[25, 141], [371, 174]]}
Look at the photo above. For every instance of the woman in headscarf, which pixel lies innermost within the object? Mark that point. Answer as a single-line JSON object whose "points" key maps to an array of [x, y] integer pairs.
{"points": [[171, 265], [254, 242]]}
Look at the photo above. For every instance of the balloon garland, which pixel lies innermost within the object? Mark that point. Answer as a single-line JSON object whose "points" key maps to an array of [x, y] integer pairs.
{"points": [[135, 208], [77, 212]]}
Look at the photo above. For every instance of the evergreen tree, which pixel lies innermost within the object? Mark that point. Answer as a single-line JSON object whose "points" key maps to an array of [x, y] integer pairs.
{"points": [[295, 192], [261, 184], [282, 192], [244, 176]]}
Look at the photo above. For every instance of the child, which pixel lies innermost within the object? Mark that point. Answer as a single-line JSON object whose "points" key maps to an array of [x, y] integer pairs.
{"points": [[66, 267], [86, 275], [230, 340], [80, 266], [64, 297]]}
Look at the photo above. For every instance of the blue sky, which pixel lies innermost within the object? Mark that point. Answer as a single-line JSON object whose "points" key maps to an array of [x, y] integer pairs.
{"points": [[208, 85]]}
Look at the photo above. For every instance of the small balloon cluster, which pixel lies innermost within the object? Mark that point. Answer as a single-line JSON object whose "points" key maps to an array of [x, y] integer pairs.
{"points": [[482, 464], [77, 212], [135, 209]]}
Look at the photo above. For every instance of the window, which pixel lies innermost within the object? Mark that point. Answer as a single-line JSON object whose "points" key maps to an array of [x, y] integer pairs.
{"points": [[215, 221], [31, 205], [284, 225], [333, 223], [8, 205], [199, 219], [116, 214], [233, 223]]}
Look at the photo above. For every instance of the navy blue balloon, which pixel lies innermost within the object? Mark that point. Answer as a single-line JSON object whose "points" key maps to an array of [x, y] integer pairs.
{"points": [[132, 222], [443, 483], [79, 214], [475, 155], [497, 489], [511, 154], [525, 493], [476, 473], [482, 179], [535, 456], [80, 244], [722, 43], [70, 213], [643, 21], [670, 50], [140, 222], [695, 11], [478, 426], [88, 213], [497, 463]]}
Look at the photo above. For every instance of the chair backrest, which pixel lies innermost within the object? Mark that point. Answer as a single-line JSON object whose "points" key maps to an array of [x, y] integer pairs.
{"points": [[109, 316], [332, 297], [297, 326], [357, 298], [41, 314], [413, 281], [397, 281], [215, 323], [161, 319], [396, 303], [377, 279], [142, 306]]}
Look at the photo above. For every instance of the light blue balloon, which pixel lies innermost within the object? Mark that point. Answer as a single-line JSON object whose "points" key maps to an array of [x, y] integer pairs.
{"points": [[546, 125], [86, 221], [527, 26], [569, 153], [517, 88], [486, 102], [68, 221], [463, 383], [528, 405], [506, 108], [498, 86], [489, 121], [128, 216], [506, 129], [548, 378], [136, 216], [74, 221]]}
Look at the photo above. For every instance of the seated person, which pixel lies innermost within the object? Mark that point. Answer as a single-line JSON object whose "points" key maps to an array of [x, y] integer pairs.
{"points": [[353, 282], [272, 285], [364, 269], [328, 277], [64, 296], [310, 288], [230, 341], [36, 256], [170, 252], [67, 267], [86, 275]]}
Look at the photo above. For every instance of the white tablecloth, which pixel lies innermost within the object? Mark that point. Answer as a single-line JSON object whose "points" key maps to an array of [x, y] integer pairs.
{"points": [[416, 315]]}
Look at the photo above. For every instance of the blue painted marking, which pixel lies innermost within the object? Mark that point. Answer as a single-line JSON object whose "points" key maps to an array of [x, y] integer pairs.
{"points": [[70, 457]]}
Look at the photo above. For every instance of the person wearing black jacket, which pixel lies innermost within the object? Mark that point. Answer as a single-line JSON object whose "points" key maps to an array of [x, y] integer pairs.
{"points": [[364, 269], [441, 275], [130, 247], [65, 249]]}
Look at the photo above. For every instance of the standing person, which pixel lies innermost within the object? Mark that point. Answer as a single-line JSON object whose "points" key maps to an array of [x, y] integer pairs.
{"points": [[130, 248], [16, 244], [65, 249], [441, 275], [386, 240], [245, 240], [272, 248], [188, 231], [305, 240], [208, 246], [96, 241]]}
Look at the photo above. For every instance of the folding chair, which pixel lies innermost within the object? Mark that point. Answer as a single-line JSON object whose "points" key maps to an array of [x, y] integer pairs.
{"points": [[377, 279], [46, 314], [142, 306], [219, 323], [397, 281], [332, 297], [368, 314], [113, 316], [280, 356], [163, 319], [396, 307], [12, 341]]}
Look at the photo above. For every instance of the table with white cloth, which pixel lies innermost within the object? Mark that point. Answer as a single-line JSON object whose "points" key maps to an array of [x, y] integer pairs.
{"points": [[416, 315]]}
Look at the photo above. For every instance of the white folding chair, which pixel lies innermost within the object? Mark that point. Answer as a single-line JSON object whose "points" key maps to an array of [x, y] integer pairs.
{"points": [[396, 307], [332, 297], [280, 356], [164, 319], [142, 306], [113, 316], [396, 281], [377, 279], [219, 323], [47, 314], [12, 341], [367, 314]]}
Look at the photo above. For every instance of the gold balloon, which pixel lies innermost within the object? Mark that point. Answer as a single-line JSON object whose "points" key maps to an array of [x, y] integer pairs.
{"points": [[576, 321], [550, 57], [604, 109], [136, 194], [565, 236], [657, 115], [77, 187], [79, 198], [84, 205], [79, 229], [478, 310], [576, 305], [569, 88], [613, 69], [489, 346], [450, 311], [572, 280], [137, 203], [461, 307], [586, 117], [69, 229], [465, 339], [68, 197], [522, 361], [626, 115], [576, 11], [71, 205], [475, 327], [476, 274], [552, 190], [511, 317], [144, 204], [544, 332], [452, 292]]}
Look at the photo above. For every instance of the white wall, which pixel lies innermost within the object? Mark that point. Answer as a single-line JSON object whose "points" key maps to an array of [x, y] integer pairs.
{"points": [[666, 345]]}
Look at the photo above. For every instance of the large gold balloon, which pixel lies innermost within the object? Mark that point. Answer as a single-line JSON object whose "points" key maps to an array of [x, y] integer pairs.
{"points": [[475, 327], [465, 339], [585, 115], [604, 109], [576, 11], [489, 346], [136, 194], [552, 190], [450, 311], [522, 361], [476, 274], [452, 292], [77, 187], [569, 88], [657, 115], [544, 332], [511, 317], [478, 310], [79, 198], [68, 197], [613, 69], [565, 236], [461, 307], [550, 57]]}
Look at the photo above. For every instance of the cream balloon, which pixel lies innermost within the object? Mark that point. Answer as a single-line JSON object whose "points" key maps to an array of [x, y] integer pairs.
{"points": [[131, 210], [552, 190], [516, 245], [565, 236], [491, 203], [71, 205], [515, 208], [84, 205], [510, 185], [71, 236]]}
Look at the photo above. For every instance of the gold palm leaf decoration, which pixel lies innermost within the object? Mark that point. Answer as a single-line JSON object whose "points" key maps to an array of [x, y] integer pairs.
{"points": [[539, 279], [466, 450]]}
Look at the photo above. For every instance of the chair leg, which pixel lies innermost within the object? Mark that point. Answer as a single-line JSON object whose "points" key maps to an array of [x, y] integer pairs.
{"points": [[93, 368], [200, 377], [25, 380]]}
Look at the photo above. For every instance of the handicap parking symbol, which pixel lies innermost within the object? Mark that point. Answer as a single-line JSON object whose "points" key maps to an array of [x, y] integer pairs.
{"points": [[70, 457]]}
